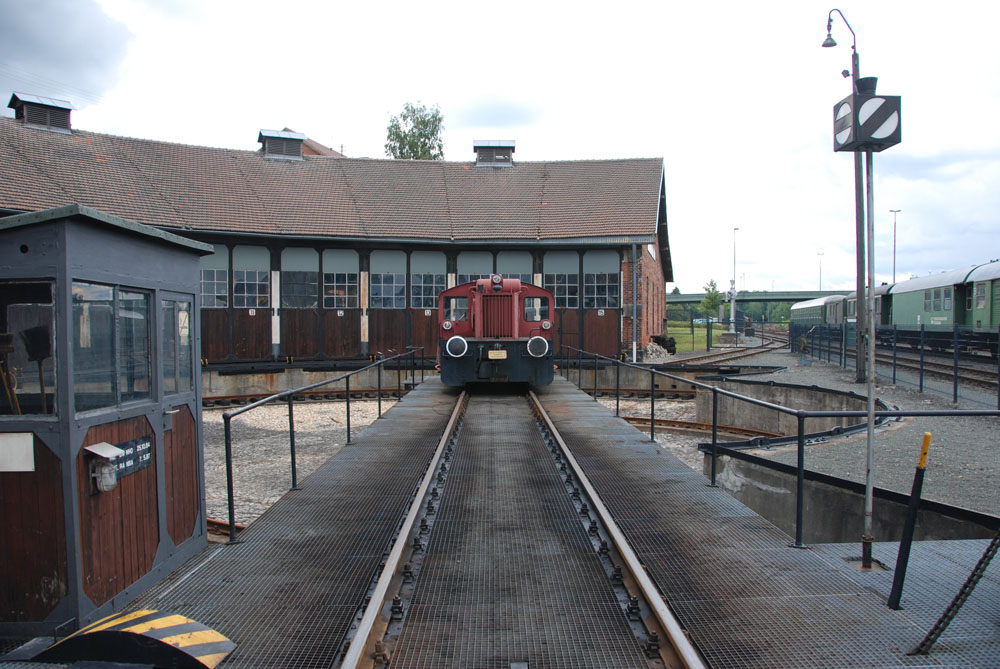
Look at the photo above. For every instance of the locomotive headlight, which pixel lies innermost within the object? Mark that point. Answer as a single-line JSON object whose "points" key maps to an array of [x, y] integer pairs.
{"points": [[538, 346], [456, 346], [446, 325], [546, 325]]}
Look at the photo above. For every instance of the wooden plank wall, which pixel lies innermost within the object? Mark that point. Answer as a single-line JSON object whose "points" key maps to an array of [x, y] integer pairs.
{"points": [[252, 334], [32, 540], [425, 332], [119, 529], [181, 469], [342, 334], [387, 330], [601, 332], [567, 329], [300, 333], [214, 334]]}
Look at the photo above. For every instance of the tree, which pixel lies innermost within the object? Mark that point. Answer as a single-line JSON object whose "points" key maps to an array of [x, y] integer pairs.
{"points": [[415, 134], [713, 298]]}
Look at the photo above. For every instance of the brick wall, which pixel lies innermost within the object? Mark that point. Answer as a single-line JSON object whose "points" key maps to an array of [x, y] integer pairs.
{"points": [[651, 296]]}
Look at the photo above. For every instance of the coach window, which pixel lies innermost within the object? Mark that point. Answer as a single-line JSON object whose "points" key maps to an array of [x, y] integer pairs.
{"points": [[536, 308], [927, 300], [27, 349], [947, 299], [299, 278], [980, 296], [387, 280], [427, 276], [600, 280], [515, 265], [562, 278], [937, 299], [474, 265], [176, 340], [340, 279], [251, 277], [215, 279]]}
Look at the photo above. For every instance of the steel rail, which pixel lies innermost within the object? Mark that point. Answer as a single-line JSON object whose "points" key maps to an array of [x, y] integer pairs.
{"points": [[675, 633], [673, 423], [361, 641]]}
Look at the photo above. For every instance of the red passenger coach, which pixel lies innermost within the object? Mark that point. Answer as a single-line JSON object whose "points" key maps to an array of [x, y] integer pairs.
{"points": [[495, 330]]}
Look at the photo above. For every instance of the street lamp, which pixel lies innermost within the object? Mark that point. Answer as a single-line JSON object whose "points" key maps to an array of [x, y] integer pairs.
{"points": [[894, 212], [820, 254], [732, 300], [859, 207]]}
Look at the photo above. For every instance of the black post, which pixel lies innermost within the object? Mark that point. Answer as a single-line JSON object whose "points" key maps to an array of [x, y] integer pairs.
{"points": [[996, 352], [715, 432], [227, 428], [595, 377], [399, 381], [708, 335], [954, 346], [652, 406], [347, 399], [800, 483], [579, 369], [291, 441], [922, 338], [379, 392], [903, 558], [423, 363]]}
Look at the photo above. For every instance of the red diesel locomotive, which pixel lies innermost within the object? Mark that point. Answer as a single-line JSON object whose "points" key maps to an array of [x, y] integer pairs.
{"points": [[495, 330]]}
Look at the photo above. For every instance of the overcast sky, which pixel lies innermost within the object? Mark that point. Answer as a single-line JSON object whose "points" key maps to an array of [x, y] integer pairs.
{"points": [[736, 97]]}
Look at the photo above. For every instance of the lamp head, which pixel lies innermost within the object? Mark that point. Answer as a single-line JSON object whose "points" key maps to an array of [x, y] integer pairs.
{"points": [[829, 41]]}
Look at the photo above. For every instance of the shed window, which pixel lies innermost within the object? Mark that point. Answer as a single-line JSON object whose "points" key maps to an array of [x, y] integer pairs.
{"points": [[515, 265], [340, 279], [299, 278], [562, 278], [427, 278], [27, 348], [215, 279], [251, 277], [474, 265], [176, 342], [387, 281]]}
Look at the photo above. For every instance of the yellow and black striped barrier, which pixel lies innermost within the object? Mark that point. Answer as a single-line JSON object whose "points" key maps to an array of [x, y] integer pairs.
{"points": [[143, 637]]}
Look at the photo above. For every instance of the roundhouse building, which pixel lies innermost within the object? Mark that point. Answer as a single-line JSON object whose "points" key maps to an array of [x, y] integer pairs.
{"points": [[321, 259]]}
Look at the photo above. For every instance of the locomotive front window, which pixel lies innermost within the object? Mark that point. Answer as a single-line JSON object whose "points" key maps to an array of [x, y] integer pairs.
{"points": [[536, 309], [456, 308]]}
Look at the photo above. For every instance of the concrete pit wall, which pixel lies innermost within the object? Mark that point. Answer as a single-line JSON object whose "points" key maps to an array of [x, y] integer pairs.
{"points": [[835, 514], [263, 384]]}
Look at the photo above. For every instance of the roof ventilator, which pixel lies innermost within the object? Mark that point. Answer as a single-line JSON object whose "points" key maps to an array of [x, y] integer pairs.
{"points": [[40, 112], [494, 152], [283, 144]]}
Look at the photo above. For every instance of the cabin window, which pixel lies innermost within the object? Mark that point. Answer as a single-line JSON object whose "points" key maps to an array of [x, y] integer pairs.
{"points": [[299, 278], [176, 336], [251, 277], [561, 277], [515, 265], [427, 278], [980, 296], [27, 348], [111, 346], [937, 299], [456, 308], [536, 309], [215, 279], [600, 280]]}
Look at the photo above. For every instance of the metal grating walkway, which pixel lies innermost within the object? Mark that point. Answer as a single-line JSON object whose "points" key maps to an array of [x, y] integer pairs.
{"points": [[510, 574], [290, 591], [746, 597]]}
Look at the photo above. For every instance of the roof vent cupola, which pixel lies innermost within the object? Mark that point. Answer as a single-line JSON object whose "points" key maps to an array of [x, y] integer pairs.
{"points": [[39, 112], [494, 152], [283, 144]]}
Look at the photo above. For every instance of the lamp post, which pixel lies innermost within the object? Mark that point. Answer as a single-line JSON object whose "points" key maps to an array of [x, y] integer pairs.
{"points": [[820, 254], [732, 300], [894, 212], [859, 207]]}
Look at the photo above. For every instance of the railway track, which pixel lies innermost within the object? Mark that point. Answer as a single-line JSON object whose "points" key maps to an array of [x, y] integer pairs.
{"points": [[508, 556], [737, 353]]}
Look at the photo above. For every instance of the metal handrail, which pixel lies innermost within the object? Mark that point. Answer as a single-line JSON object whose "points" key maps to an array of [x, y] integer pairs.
{"points": [[289, 395], [800, 414]]}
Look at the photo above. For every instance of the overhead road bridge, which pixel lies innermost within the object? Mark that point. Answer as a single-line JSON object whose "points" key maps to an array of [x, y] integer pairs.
{"points": [[765, 296]]}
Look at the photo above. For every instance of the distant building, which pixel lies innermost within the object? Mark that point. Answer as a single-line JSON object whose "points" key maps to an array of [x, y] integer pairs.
{"points": [[321, 258]]}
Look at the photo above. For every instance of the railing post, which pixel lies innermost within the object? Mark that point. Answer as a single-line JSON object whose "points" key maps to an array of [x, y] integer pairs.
{"points": [[579, 369], [379, 389], [894, 343], [423, 364], [347, 399], [227, 428], [715, 432], [595, 377], [996, 352], [922, 338], [652, 405], [291, 441], [954, 346], [800, 482], [399, 380], [618, 386]]}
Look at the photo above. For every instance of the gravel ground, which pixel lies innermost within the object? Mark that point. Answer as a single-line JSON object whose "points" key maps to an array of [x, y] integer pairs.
{"points": [[963, 467], [262, 470]]}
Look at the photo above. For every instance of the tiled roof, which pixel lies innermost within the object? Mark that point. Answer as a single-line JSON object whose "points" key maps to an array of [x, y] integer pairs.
{"points": [[198, 188]]}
